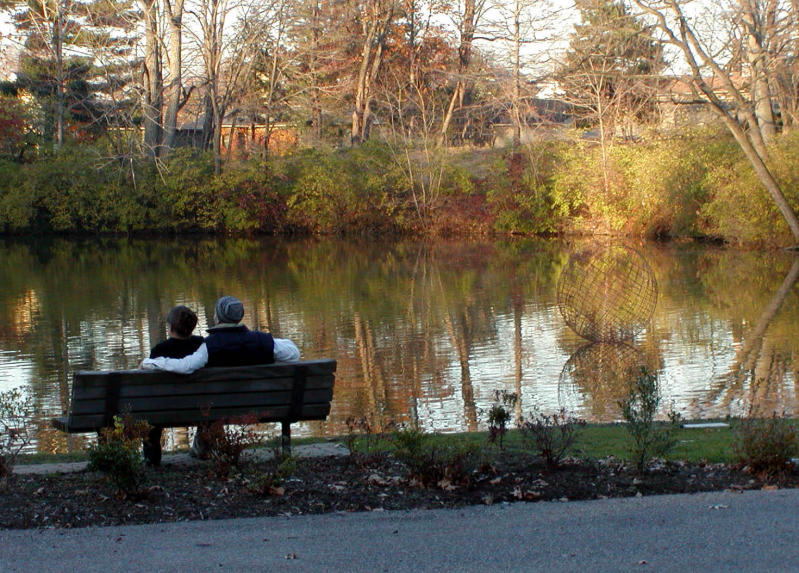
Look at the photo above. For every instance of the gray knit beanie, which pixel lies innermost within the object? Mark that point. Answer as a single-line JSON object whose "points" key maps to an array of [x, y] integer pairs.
{"points": [[229, 309]]}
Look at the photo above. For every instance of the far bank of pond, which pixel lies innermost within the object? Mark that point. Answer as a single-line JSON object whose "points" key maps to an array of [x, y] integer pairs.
{"points": [[426, 332], [691, 184]]}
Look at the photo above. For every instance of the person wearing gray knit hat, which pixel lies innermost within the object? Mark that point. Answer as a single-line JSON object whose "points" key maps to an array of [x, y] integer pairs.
{"points": [[229, 309]]}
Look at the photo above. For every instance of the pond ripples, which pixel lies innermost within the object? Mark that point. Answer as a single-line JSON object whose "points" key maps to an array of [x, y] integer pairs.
{"points": [[424, 333]]}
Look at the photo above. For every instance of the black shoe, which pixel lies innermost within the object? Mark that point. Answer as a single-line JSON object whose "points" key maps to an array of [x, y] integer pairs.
{"points": [[152, 454]]}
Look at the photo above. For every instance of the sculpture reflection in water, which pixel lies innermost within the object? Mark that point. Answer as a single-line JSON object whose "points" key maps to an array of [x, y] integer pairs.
{"points": [[607, 294]]}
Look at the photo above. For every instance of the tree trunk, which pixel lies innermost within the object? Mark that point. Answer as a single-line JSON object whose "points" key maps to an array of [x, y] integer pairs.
{"points": [[764, 175], [216, 142], [467, 28], [371, 59], [517, 65], [175, 18], [152, 106], [756, 55], [361, 87], [208, 123], [58, 41], [316, 108]]}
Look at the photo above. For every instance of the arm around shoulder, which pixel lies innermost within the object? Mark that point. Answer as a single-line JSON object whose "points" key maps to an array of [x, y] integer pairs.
{"points": [[185, 365], [286, 350]]}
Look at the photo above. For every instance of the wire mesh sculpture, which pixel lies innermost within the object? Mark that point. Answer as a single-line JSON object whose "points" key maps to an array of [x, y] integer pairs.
{"points": [[607, 293]]}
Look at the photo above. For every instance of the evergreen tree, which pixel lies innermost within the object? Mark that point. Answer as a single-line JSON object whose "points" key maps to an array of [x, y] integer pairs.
{"points": [[611, 67], [75, 63]]}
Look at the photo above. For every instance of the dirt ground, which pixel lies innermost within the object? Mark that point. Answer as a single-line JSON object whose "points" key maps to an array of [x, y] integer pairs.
{"points": [[343, 483]]}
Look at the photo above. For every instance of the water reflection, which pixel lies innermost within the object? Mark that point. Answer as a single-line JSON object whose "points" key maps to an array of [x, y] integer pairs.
{"points": [[422, 331], [607, 294], [747, 386], [597, 377]]}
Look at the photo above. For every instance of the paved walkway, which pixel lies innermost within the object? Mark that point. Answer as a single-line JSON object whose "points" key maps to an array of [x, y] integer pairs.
{"points": [[319, 449], [751, 531]]}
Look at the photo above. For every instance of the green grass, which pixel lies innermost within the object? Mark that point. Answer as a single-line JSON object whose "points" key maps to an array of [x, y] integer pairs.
{"points": [[35, 459], [593, 441], [714, 445]]}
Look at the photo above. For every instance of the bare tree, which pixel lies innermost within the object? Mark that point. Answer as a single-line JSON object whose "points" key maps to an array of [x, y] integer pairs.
{"points": [[177, 96], [227, 56], [152, 77], [708, 78], [467, 18], [516, 25], [376, 17]]}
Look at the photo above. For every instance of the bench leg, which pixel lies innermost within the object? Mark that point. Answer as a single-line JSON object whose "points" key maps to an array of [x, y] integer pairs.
{"points": [[151, 446], [285, 438]]}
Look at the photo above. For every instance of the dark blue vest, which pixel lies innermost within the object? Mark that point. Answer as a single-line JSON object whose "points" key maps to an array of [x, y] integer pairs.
{"points": [[238, 346]]}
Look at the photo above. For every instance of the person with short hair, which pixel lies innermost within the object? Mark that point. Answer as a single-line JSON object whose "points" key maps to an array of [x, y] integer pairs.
{"points": [[181, 321]]}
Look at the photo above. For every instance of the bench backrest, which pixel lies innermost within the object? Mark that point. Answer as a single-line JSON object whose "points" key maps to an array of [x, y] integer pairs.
{"points": [[271, 392]]}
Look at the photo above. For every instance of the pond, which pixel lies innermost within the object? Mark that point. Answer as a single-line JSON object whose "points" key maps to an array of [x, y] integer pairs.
{"points": [[424, 333]]}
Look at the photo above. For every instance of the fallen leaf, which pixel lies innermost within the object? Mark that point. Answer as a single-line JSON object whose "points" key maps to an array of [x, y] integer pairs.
{"points": [[446, 485], [376, 479]]}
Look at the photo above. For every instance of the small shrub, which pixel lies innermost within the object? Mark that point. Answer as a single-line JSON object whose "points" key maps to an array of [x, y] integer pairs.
{"points": [[16, 429], [552, 435], [270, 482], [366, 439], [433, 462], [118, 454], [639, 410], [766, 445], [227, 439], [500, 414]]}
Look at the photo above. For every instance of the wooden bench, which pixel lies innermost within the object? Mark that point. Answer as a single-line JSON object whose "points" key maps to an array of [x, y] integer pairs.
{"points": [[280, 392]]}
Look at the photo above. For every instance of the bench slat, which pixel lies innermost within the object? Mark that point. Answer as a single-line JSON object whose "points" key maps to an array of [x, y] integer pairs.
{"points": [[185, 388], [89, 423], [227, 375], [166, 403]]}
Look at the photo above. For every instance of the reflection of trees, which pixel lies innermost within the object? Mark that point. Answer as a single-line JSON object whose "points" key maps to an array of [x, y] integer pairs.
{"points": [[397, 317], [412, 325], [757, 363]]}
